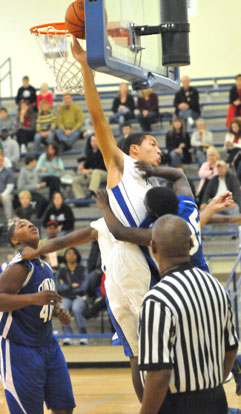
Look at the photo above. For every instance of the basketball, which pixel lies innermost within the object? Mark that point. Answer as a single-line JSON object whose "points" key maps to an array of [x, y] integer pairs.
{"points": [[75, 19]]}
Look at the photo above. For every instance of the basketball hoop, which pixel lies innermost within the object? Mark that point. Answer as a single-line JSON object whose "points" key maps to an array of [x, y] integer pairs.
{"points": [[53, 40]]}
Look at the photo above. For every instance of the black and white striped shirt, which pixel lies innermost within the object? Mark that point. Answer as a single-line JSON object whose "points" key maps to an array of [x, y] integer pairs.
{"points": [[186, 324]]}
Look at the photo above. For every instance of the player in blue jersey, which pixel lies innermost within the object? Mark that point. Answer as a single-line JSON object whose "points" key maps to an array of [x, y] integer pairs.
{"points": [[33, 367]]}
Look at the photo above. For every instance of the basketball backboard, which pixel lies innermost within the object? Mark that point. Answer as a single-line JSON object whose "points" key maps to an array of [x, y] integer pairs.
{"points": [[118, 42]]}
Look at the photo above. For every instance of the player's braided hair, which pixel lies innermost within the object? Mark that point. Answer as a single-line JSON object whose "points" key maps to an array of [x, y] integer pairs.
{"points": [[11, 232]]}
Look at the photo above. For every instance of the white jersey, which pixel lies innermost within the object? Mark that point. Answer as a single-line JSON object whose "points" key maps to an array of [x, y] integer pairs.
{"points": [[126, 198], [105, 241]]}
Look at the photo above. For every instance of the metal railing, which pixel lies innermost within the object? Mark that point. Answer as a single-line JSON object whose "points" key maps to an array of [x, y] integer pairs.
{"points": [[6, 67]]}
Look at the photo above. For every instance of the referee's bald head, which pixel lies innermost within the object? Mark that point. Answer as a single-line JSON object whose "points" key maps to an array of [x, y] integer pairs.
{"points": [[171, 237]]}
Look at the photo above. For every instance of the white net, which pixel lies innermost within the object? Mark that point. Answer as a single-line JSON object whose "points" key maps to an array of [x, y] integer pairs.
{"points": [[54, 42]]}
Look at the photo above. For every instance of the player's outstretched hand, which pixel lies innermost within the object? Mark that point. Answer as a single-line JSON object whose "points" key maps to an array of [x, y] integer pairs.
{"points": [[63, 316], [147, 169], [46, 297], [222, 201], [102, 199], [77, 51], [28, 253]]}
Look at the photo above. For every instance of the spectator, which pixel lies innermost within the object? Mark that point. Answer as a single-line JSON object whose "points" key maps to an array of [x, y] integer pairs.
{"points": [[201, 140], [72, 282], [234, 109], [70, 120], [148, 109], [92, 173], [186, 102], [10, 147], [26, 126], [126, 131], [28, 180], [224, 181], [54, 258], [26, 210], [123, 106], [60, 212], [45, 95], [178, 144], [7, 163], [207, 171], [6, 189], [7, 122], [232, 140], [50, 165], [26, 93], [94, 271], [45, 125]]}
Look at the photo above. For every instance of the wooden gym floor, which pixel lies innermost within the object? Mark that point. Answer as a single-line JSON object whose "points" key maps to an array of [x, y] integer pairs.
{"points": [[107, 391]]}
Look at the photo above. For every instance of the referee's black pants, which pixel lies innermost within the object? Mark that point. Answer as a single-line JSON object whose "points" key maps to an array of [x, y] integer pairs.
{"points": [[212, 401]]}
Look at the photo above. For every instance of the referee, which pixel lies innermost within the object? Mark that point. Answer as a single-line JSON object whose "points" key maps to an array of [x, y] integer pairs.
{"points": [[187, 340]]}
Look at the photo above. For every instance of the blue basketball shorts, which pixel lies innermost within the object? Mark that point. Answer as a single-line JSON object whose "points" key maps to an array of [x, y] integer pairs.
{"points": [[32, 376]]}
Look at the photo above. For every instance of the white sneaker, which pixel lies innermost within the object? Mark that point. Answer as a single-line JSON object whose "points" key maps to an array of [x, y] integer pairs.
{"points": [[190, 122], [83, 341], [67, 342], [23, 149]]}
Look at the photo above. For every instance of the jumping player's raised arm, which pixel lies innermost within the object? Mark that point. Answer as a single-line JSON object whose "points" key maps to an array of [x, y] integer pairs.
{"points": [[180, 183], [71, 239], [113, 156]]}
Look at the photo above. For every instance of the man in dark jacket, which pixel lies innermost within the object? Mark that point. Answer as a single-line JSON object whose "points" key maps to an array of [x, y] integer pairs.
{"points": [[221, 182], [26, 93], [234, 108], [92, 173], [186, 102]]}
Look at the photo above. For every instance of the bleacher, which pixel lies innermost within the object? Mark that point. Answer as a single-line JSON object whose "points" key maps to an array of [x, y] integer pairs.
{"points": [[214, 94]]}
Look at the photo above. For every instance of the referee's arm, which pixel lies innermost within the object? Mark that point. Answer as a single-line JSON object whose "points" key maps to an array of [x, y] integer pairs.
{"points": [[231, 342], [156, 338]]}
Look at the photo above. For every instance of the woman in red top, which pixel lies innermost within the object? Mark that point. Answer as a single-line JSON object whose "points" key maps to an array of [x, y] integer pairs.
{"points": [[45, 94], [234, 108], [148, 109], [25, 125]]}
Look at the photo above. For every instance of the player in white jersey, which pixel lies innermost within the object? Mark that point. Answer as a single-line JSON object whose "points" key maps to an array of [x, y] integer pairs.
{"points": [[125, 184]]}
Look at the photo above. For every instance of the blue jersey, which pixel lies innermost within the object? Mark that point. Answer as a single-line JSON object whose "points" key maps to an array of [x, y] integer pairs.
{"points": [[187, 209], [30, 326]]}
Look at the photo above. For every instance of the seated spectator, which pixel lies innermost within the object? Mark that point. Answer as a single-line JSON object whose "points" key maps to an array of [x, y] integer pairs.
{"points": [[207, 171], [234, 109], [26, 210], [25, 126], [201, 140], [6, 189], [7, 122], [45, 125], [10, 147], [69, 120], [60, 212], [71, 283], [54, 258], [126, 131], [28, 180], [186, 102], [178, 144], [232, 140], [224, 181], [91, 174], [26, 93], [45, 95], [147, 104], [123, 106], [50, 165]]}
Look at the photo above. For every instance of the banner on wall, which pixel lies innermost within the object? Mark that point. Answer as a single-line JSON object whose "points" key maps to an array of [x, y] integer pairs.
{"points": [[192, 8]]}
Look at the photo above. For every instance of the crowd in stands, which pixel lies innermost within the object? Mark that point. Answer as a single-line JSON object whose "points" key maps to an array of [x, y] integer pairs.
{"points": [[32, 189]]}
